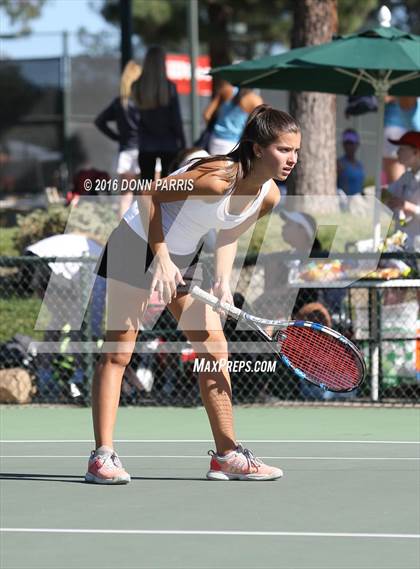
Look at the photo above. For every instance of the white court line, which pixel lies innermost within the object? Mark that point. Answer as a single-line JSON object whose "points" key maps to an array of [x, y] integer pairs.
{"points": [[275, 441], [207, 458], [214, 533]]}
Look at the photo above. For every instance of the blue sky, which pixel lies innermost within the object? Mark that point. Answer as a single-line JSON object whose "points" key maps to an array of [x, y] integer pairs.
{"points": [[57, 16]]}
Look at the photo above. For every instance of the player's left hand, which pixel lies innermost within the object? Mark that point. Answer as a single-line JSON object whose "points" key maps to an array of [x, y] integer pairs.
{"points": [[222, 291]]}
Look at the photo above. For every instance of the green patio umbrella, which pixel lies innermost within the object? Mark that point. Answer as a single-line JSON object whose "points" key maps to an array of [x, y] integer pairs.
{"points": [[381, 61], [354, 64], [273, 72]]}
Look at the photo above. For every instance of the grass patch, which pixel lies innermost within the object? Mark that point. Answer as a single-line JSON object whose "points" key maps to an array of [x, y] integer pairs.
{"points": [[262, 236], [18, 316], [267, 236], [341, 230], [7, 244]]}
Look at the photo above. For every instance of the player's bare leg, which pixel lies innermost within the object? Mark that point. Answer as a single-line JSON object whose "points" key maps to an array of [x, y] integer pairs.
{"points": [[203, 328], [126, 307]]}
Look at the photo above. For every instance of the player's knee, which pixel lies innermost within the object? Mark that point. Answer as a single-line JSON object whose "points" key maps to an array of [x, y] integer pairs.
{"points": [[215, 345], [121, 359]]}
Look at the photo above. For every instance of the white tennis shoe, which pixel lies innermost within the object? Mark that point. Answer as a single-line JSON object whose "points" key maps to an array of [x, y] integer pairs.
{"points": [[240, 464]]}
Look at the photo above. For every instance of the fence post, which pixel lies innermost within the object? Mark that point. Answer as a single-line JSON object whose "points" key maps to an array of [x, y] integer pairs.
{"points": [[86, 328], [375, 341]]}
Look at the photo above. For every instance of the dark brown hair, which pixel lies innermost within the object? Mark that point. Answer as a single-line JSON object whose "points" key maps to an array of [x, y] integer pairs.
{"points": [[151, 90], [263, 127], [315, 312]]}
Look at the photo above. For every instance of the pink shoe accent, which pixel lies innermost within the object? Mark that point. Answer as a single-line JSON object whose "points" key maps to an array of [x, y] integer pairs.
{"points": [[214, 465], [106, 469], [241, 464]]}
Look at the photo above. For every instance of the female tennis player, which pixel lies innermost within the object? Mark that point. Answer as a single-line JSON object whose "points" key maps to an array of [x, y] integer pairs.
{"points": [[156, 248]]}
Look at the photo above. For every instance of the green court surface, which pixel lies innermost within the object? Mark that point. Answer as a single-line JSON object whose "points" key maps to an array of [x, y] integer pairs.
{"points": [[349, 499]]}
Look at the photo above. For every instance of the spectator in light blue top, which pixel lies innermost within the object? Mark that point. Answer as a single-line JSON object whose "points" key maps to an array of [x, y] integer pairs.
{"points": [[397, 114], [230, 107], [231, 119], [350, 172]]}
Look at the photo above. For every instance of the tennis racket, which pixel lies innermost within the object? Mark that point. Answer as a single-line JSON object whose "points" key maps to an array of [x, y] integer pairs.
{"points": [[313, 352]]}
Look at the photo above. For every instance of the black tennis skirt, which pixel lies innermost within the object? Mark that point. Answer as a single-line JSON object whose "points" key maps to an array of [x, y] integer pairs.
{"points": [[127, 257]]}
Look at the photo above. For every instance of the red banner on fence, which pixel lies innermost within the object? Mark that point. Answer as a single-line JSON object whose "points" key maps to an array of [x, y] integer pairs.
{"points": [[178, 68]]}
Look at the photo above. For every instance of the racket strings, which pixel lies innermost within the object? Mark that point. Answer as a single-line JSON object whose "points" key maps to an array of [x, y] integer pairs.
{"points": [[322, 358]]}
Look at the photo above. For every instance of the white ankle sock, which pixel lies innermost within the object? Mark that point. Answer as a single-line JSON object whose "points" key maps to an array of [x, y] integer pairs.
{"points": [[223, 457], [104, 450]]}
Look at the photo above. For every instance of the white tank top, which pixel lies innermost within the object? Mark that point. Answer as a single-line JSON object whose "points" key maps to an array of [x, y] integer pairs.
{"points": [[185, 222]]}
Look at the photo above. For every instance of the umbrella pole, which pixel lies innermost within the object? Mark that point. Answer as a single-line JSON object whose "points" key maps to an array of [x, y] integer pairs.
{"points": [[375, 354], [378, 177]]}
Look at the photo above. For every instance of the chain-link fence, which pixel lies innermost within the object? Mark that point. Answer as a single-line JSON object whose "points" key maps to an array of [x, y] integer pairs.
{"points": [[48, 351]]}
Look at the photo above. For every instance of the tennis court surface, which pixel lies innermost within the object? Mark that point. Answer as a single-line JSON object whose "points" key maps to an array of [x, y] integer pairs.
{"points": [[349, 499]]}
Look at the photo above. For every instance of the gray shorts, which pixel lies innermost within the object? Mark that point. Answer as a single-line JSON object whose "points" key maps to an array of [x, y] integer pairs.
{"points": [[127, 258]]}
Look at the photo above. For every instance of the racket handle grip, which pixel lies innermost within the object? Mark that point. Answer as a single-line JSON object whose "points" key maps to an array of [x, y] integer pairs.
{"points": [[211, 300]]}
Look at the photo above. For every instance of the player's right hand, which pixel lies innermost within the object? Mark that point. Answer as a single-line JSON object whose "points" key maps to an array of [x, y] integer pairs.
{"points": [[166, 278]]}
